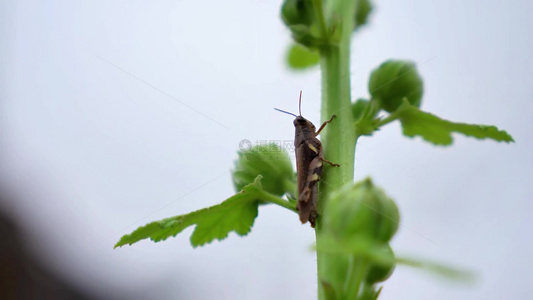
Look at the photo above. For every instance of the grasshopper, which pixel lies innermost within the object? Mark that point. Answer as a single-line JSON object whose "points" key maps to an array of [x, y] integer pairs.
{"points": [[309, 161]]}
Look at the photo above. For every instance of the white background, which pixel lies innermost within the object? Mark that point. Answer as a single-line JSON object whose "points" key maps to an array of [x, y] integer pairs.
{"points": [[111, 116]]}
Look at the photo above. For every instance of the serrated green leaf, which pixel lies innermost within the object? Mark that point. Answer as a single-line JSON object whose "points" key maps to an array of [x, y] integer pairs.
{"points": [[300, 57], [236, 214], [438, 131]]}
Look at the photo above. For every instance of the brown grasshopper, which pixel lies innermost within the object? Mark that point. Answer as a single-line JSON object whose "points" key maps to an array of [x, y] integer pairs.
{"points": [[309, 159]]}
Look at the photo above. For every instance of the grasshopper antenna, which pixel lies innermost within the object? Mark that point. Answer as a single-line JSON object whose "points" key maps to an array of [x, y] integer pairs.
{"points": [[300, 103], [286, 112]]}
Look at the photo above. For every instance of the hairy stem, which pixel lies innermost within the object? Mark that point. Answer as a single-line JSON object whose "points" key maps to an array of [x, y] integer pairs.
{"points": [[338, 138]]}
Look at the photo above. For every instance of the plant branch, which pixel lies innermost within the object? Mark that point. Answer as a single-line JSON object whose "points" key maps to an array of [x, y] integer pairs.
{"points": [[276, 200], [392, 117]]}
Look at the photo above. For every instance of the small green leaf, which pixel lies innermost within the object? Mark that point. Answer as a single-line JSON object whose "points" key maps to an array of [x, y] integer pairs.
{"points": [[364, 7], [394, 80], [438, 131], [300, 57], [237, 214]]}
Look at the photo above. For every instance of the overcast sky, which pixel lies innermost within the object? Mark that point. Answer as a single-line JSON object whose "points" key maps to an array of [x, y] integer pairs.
{"points": [[117, 113]]}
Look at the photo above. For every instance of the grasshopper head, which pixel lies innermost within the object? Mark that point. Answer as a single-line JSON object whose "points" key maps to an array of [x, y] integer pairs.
{"points": [[304, 124]]}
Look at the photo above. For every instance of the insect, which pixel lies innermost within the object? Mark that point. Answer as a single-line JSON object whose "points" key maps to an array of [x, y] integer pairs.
{"points": [[309, 159]]}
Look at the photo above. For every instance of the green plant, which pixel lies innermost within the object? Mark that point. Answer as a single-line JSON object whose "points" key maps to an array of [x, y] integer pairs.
{"points": [[356, 220]]}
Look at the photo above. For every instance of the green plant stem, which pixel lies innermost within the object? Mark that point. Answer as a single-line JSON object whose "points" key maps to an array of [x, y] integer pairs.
{"points": [[387, 120], [338, 138], [276, 200]]}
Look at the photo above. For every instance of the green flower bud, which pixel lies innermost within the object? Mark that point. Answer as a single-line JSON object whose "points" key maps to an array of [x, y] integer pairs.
{"points": [[362, 210], [297, 12], [271, 162], [299, 16], [381, 272], [394, 80], [364, 7]]}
